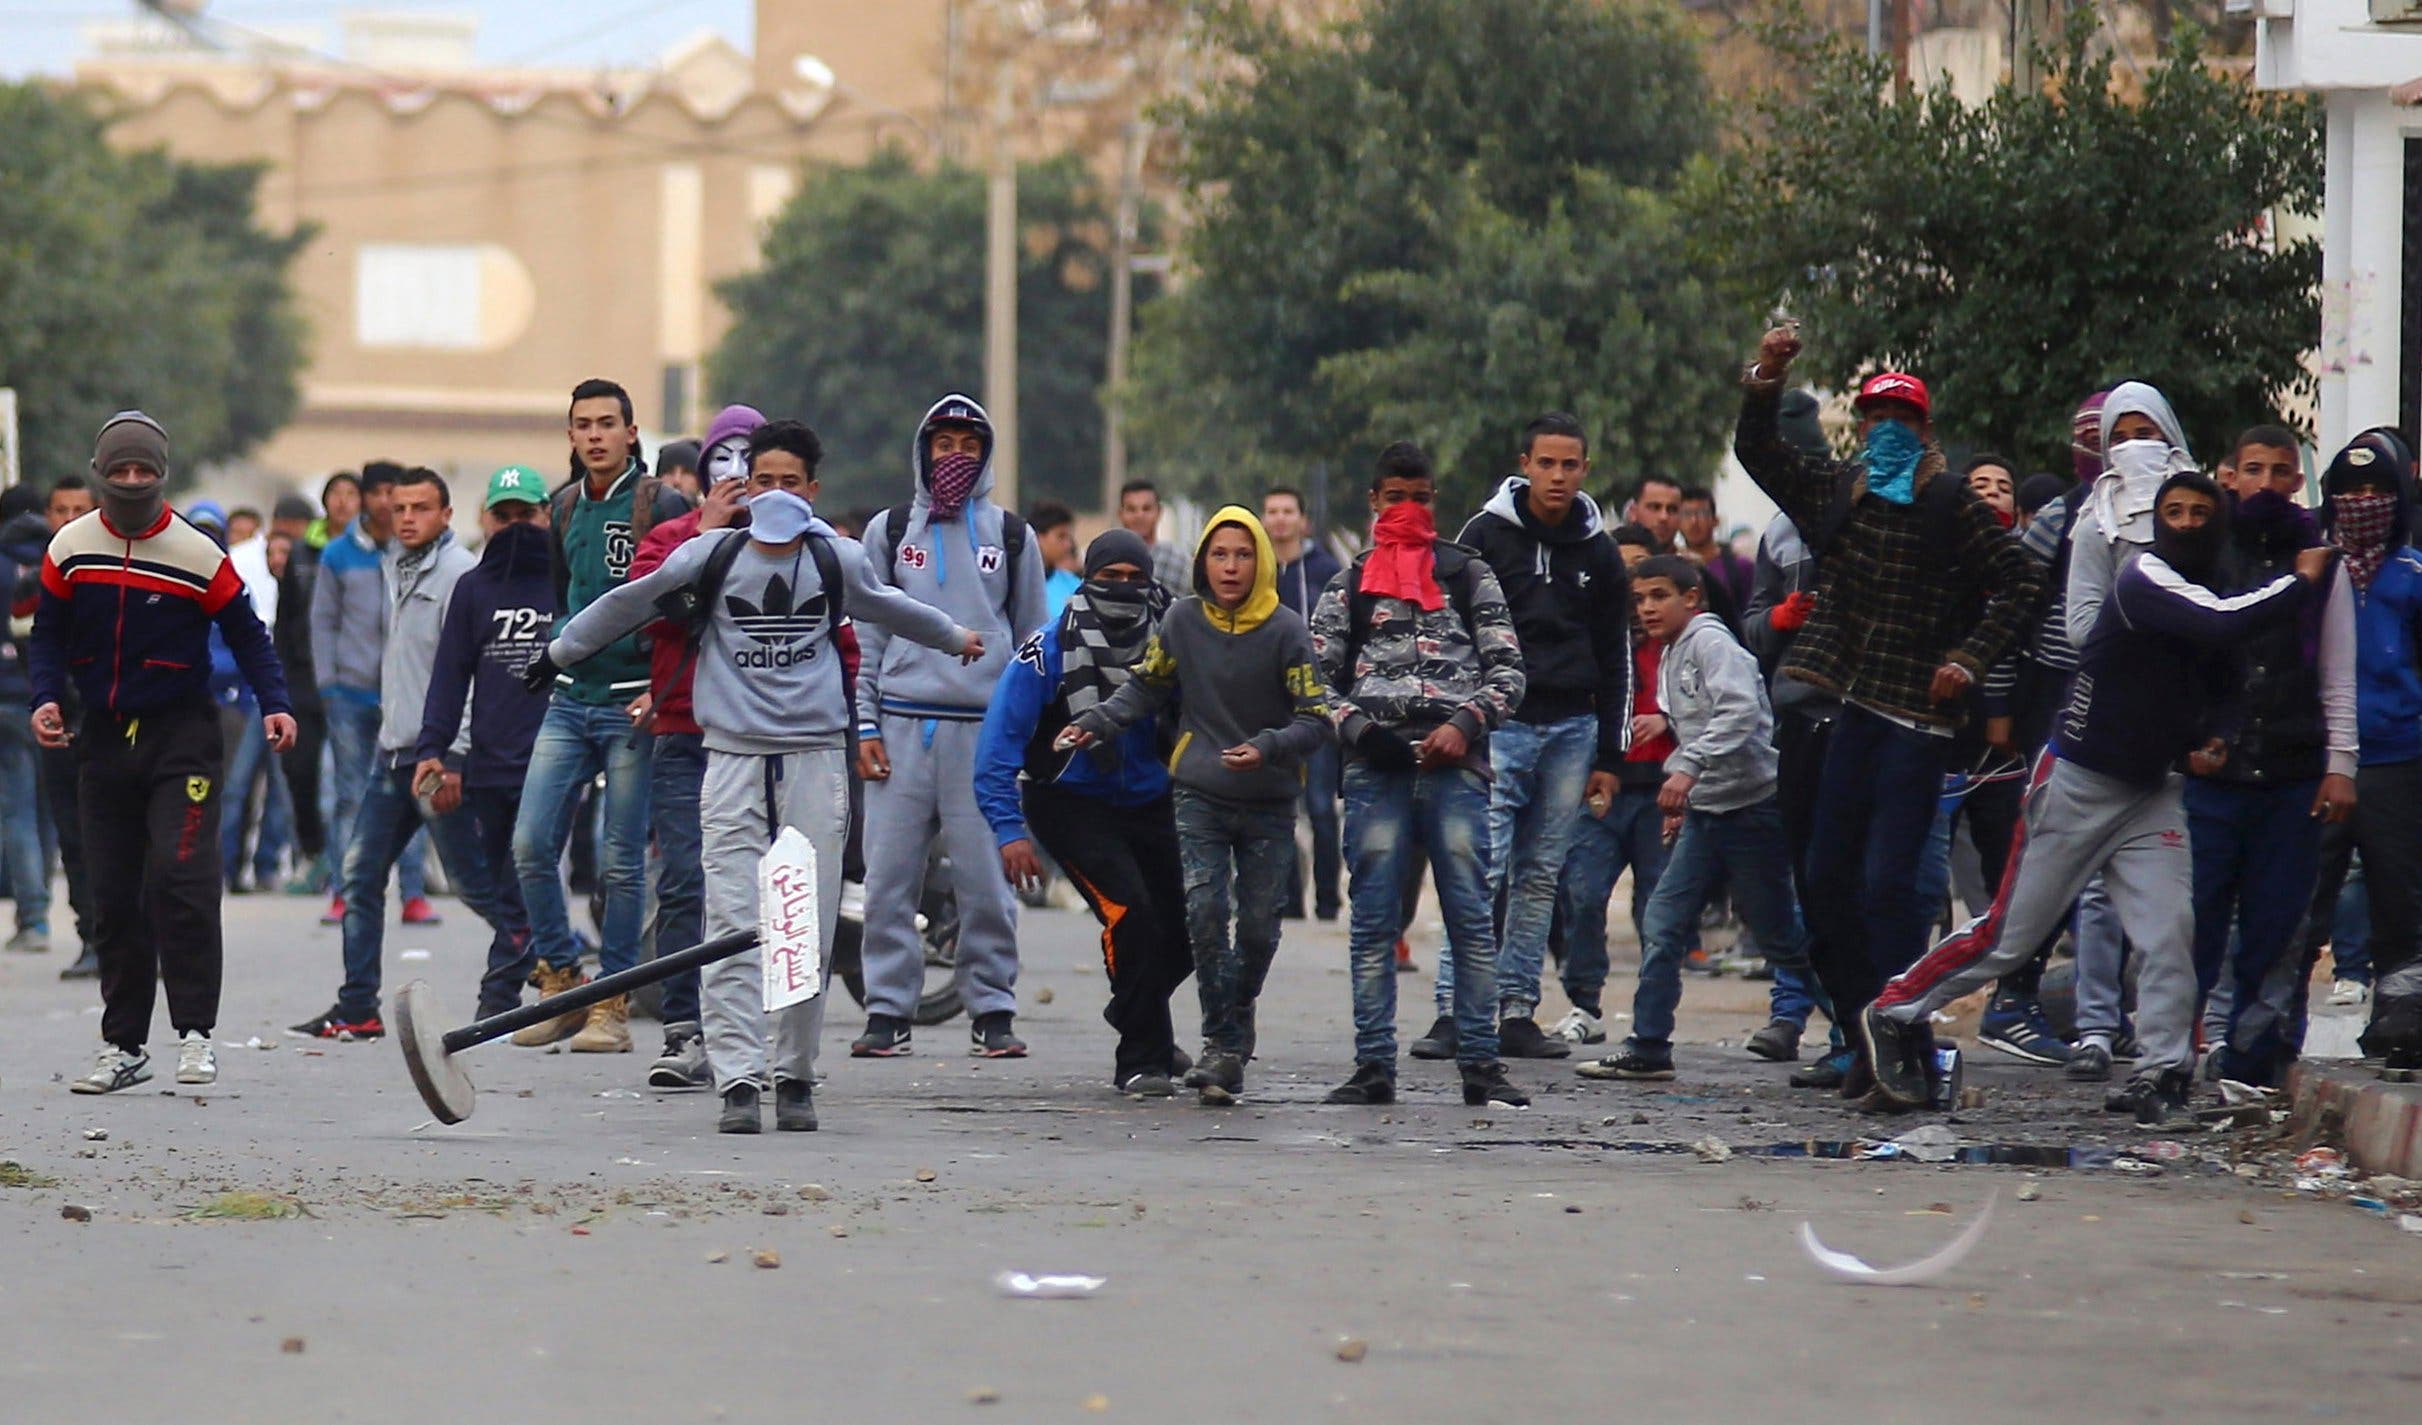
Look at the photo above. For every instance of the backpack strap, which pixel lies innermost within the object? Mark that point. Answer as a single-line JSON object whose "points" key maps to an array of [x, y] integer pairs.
{"points": [[643, 507], [1013, 544], [1452, 567], [694, 607]]}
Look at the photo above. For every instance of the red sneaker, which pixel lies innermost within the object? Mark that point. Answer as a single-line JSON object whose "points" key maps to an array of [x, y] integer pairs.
{"points": [[335, 913], [418, 911]]}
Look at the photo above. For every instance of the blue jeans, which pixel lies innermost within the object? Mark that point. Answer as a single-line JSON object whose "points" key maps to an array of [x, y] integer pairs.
{"points": [[352, 747], [1747, 849], [2257, 852], [247, 760], [1321, 771], [1232, 853], [679, 772], [1539, 773], [1630, 836], [388, 818], [1393, 821], [576, 741], [492, 812], [2350, 939], [21, 823], [1875, 807]]}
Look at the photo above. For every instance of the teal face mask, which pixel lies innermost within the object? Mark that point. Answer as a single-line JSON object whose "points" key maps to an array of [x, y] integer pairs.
{"points": [[1891, 457]]}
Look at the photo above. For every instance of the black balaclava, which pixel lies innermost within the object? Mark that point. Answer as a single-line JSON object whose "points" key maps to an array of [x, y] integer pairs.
{"points": [[2194, 553], [131, 437]]}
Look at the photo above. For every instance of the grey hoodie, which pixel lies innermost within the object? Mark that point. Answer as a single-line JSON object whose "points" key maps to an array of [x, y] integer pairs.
{"points": [[960, 567], [768, 681], [416, 615], [1709, 686]]}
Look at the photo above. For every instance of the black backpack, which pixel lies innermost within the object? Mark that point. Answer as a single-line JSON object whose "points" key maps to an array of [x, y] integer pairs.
{"points": [[692, 607], [1013, 544]]}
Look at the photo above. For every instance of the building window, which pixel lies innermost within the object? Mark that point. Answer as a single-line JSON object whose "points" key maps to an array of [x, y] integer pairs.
{"points": [[418, 295]]}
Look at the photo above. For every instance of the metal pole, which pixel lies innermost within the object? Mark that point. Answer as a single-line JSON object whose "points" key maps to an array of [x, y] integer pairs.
{"points": [[1875, 27], [604, 987], [1122, 312], [1001, 292]]}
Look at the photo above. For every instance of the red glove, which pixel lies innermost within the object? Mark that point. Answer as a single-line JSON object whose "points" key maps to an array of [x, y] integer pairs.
{"points": [[1788, 615]]}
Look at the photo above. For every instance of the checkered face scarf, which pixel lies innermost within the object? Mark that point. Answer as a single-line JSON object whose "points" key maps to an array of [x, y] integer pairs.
{"points": [[2361, 521], [1103, 632], [951, 481]]}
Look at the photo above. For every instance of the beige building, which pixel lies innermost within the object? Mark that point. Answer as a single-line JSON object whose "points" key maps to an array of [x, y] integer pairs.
{"points": [[486, 238]]}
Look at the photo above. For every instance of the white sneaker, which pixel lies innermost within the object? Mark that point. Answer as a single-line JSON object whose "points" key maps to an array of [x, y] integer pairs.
{"points": [[1579, 1026], [113, 1069], [2349, 992], [197, 1062]]}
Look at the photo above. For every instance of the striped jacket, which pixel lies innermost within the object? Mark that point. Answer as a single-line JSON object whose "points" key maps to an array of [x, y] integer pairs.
{"points": [[129, 620]]}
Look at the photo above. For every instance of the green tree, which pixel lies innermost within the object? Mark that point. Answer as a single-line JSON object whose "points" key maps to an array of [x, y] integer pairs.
{"points": [[136, 279], [870, 304], [2035, 248], [1432, 220]]}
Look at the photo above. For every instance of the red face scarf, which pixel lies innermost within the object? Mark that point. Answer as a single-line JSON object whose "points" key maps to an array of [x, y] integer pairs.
{"points": [[951, 481], [1402, 557]]}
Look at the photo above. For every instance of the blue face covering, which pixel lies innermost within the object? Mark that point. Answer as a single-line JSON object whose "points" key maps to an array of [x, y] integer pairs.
{"points": [[778, 516], [1891, 458]]}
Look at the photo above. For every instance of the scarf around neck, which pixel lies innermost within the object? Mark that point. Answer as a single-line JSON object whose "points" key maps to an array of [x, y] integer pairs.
{"points": [[1104, 629]]}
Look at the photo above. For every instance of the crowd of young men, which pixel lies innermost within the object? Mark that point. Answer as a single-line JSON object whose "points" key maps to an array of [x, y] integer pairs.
{"points": [[2167, 711]]}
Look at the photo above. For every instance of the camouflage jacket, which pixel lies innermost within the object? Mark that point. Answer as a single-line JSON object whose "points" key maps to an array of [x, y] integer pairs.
{"points": [[1409, 669]]}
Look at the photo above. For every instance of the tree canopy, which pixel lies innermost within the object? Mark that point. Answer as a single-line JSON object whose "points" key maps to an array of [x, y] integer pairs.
{"points": [[870, 305], [2041, 246], [136, 279], [1433, 220]]}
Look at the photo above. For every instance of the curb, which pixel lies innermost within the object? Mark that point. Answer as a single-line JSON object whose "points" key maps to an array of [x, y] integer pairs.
{"points": [[2380, 1124]]}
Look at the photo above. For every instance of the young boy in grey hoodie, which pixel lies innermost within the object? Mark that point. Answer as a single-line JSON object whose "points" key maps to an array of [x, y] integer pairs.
{"points": [[770, 704], [1719, 805], [1252, 708]]}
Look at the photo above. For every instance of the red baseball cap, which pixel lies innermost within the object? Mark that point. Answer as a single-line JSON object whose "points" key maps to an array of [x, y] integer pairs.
{"points": [[1895, 386]]}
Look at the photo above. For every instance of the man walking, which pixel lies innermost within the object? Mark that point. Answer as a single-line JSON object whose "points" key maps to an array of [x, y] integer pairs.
{"points": [[920, 720], [129, 596], [1305, 567]]}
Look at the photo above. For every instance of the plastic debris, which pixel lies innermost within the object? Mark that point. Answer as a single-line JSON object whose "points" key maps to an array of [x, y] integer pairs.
{"points": [[1046, 1288], [2321, 1163], [2369, 1204], [2135, 1167], [2168, 1150], [1845, 1267], [416, 954], [2410, 1222], [1933, 1143]]}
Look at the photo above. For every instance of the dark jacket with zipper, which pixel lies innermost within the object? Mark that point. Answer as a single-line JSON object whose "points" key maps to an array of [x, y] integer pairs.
{"points": [[2298, 675], [497, 620], [1570, 598]]}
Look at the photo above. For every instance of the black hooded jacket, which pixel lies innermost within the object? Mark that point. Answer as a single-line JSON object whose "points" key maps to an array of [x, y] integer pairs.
{"points": [[1570, 598]]}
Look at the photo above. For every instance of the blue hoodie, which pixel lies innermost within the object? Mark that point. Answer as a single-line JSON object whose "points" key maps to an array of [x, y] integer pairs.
{"points": [[2388, 615], [1026, 714]]}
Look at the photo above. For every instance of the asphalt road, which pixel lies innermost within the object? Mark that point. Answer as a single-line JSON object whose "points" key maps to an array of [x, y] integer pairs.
{"points": [[582, 1249]]}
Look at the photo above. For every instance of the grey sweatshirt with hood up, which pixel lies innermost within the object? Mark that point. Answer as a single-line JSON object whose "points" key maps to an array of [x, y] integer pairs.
{"points": [[768, 680], [960, 566], [1710, 688]]}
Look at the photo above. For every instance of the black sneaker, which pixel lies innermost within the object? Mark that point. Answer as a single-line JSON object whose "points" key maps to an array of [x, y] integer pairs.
{"points": [[885, 1038], [683, 1063], [2089, 1063], [1826, 1073], [1220, 1076], [1485, 1084], [1145, 1083], [1371, 1086], [794, 1106], [86, 967], [740, 1110], [1630, 1064], [1520, 1038], [338, 1025], [989, 1037], [1778, 1042], [2125, 1049], [1892, 1054], [1439, 1043], [2154, 1100]]}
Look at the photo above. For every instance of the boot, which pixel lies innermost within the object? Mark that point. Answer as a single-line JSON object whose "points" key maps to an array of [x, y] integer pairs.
{"points": [[552, 981], [608, 1030]]}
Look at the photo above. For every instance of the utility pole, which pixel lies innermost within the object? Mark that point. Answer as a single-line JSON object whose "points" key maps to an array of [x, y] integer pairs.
{"points": [[1904, 29], [2032, 22], [1122, 308], [1001, 289]]}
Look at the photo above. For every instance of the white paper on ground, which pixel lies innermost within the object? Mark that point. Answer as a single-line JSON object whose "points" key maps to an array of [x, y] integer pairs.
{"points": [[789, 946], [1848, 1268]]}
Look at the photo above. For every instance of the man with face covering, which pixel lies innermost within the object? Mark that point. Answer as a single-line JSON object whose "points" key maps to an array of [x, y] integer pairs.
{"points": [[2152, 681], [130, 593], [1102, 812], [678, 770], [920, 718], [769, 698], [2369, 508], [1919, 590]]}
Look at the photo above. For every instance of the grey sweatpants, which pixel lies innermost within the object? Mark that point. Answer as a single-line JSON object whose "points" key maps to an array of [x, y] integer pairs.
{"points": [[742, 808], [2080, 822], [929, 797]]}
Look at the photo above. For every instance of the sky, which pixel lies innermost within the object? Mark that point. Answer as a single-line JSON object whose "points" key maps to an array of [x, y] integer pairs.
{"points": [[46, 36]]}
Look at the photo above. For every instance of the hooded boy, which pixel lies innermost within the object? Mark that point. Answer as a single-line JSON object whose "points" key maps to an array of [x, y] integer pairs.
{"points": [[2152, 682], [1103, 813], [770, 697], [920, 720], [1252, 709], [130, 595], [2369, 507]]}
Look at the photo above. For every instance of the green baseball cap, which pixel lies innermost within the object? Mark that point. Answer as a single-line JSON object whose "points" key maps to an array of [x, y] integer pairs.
{"points": [[515, 482]]}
